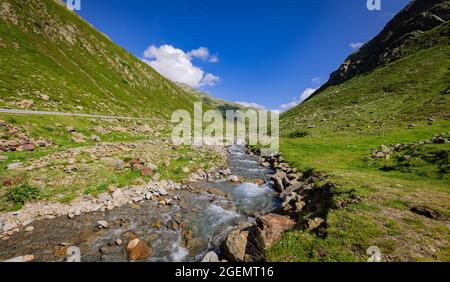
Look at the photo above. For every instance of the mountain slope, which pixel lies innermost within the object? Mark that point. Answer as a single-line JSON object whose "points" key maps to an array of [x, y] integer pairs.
{"points": [[376, 129], [54, 58], [409, 90], [402, 36]]}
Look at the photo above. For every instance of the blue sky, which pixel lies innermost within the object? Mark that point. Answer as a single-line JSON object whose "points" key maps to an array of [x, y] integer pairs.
{"points": [[262, 51]]}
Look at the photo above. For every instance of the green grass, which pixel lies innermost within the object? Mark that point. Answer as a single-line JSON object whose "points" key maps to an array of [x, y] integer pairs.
{"points": [[383, 217]]}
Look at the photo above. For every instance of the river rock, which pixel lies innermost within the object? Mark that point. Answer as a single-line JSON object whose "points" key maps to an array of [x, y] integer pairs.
{"points": [[148, 195], [258, 181], [102, 224], [270, 227], [235, 245], [278, 183], [29, 229], [103, 197], [217, 192], [117, 193], [157, 224], [233, 179], [162, 191], [138, 249], [211, 257]]}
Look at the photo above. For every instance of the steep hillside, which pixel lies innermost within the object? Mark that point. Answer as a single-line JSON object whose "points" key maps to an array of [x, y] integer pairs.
{"points": [[52, 60], [58, 61], [407, 91], [379, 131]]}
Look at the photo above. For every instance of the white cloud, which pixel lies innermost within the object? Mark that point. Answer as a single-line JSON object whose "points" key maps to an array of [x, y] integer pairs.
{"points": [[203, 54], [297, 101], [356, 45], [251, 105], [176, 65], [210, 79]]}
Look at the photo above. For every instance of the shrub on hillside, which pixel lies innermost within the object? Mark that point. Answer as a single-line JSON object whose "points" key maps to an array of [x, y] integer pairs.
{"points": [[22, 194]]}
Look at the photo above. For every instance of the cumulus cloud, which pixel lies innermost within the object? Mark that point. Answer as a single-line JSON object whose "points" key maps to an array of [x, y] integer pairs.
{"points": [[203, 54], [176, 65], [356, 45], [251, 105], [297, 101], [210, 79]]}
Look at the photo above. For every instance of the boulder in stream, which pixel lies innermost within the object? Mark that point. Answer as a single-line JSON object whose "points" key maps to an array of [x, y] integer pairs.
{"points": [[235, 245], [138, 249]]}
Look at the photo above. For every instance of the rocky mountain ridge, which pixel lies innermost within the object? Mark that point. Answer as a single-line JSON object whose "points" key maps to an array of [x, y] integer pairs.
{"points": [[403, 30]]}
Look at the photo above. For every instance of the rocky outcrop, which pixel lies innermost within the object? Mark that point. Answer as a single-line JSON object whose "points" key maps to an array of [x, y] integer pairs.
{"points": [[404, 29], [270, 227], [12, 139]]}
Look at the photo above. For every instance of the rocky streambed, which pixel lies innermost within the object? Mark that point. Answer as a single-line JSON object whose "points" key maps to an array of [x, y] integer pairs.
{"points": [[175, 223]]}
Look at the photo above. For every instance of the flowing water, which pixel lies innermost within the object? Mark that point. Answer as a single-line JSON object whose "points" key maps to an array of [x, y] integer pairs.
{"points": [[204, 218]]}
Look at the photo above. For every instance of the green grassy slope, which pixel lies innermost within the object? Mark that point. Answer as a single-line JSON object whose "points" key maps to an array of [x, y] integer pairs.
{"points": [[47, 50], [335, 131], [410, 90]]}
